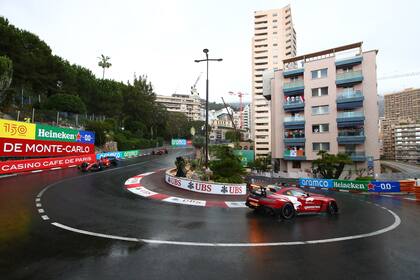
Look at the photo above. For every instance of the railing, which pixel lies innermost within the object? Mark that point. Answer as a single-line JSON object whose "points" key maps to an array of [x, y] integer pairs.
{"points": [[294, 102], [294, 119], [292, 136], [351, 133], [294, 153], [349, 75], [350, 114], [298, 83], [349, 94]]}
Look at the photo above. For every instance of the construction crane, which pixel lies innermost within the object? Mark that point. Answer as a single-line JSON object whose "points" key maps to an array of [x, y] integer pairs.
{"points": [[241, 116], [194, 87]]}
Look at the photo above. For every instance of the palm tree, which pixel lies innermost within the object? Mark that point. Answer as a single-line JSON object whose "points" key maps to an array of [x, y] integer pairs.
{"points": [[104, 63]]}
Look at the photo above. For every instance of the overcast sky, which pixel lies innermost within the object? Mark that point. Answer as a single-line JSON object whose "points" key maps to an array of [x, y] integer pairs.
{"points": [[161, 38]]}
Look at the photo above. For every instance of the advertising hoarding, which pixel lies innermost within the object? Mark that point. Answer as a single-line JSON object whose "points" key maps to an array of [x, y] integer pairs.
{"points": [[179, 142], [17, 130], [351, 185], [16, 166], [314, 182], [376, 186], [28, 148]]}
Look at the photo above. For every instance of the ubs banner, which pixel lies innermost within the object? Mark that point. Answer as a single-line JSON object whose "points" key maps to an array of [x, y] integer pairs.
{"points": [[20, 139]]}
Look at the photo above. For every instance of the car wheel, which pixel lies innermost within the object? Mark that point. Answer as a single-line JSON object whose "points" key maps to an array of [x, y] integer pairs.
{"points": [[287, 212], [332, 208]]}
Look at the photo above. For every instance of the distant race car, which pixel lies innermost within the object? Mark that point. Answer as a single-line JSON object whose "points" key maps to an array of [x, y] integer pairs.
{"points": [[160, 151], [99, 165], [288, 201]]}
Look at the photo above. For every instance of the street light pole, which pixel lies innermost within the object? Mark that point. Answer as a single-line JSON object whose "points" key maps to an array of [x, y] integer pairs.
{"points": [[206, 51]]}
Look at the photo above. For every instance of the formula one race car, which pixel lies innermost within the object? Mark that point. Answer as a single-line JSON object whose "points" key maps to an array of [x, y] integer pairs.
{"points": [[160, 151], [288, 201], [99, 165]]}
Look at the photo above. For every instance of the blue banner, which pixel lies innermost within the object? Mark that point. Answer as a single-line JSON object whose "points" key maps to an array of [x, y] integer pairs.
{"points": [[87, 137], [118, 155], [313, 182], [376, 186]]}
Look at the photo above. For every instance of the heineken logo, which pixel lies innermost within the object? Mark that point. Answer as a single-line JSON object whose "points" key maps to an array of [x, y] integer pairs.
{"points": [[351, 185], [56, 135]]}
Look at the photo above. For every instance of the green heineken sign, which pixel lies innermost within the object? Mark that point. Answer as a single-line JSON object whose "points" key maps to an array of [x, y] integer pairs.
{"points": [[351, 185], [246, 156], [54, 133]]}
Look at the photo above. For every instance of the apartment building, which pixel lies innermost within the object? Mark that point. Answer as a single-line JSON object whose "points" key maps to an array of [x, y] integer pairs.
{"points": [[247, 117], [407, 143], [190, 105], [274, 40], [327, 101], [400, 108]]}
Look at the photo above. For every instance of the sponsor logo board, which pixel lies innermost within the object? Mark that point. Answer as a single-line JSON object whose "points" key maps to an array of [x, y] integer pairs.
{"points": [[351, 185], [313, 182], [205, 187], [17, 130], [16, 166], [54, 133], [376, 186], [179, 142], [23, 147]]}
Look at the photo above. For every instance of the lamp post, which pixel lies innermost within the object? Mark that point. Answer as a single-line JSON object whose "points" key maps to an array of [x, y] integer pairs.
{"points": [[206, 51]]}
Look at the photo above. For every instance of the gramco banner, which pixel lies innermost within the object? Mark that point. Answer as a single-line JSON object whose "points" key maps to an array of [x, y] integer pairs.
{"points": [[30, 131], [22, 147], [205, 187], [15, 166], [120, 155]]}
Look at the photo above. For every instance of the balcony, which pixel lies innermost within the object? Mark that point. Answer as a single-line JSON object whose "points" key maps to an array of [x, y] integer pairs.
{"points": [[349, 119], [351, 137], [350, 99], [293, 72], [349, 78], [293, 88], [294, 105], [294, 155], [351, 61], [294, 122], [357, 156]]}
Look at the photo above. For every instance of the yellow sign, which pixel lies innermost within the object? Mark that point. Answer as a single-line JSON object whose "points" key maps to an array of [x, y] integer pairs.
{"points": [[17, 130]]}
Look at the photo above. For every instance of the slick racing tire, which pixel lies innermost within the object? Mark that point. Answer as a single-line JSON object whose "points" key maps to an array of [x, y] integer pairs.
{"points": [[287, 212], [332, 208]]}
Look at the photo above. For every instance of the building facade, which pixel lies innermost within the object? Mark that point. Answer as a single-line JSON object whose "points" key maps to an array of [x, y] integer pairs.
{"points": [[247, 117], [274, 40], [399, 108], [407, 143], [325, 101], [190, 105]]}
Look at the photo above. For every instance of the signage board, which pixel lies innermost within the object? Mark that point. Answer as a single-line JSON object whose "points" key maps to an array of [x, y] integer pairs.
{"points": [[205, 187], [246, 156], [179, 142], [378, 186], [351, 185], [17, 130], [16, 166], [314, 182], [29, 148]]}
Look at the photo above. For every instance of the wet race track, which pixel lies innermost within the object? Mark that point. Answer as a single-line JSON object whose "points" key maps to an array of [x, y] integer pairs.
{"points": [[66, 225]]}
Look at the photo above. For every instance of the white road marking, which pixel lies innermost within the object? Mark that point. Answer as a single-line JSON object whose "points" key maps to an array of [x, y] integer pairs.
{"points": [[37, 199], [72, 165], [55, 168], [41, 211], [397, 222], [132, 181], [45, 217], [185, 201], [236, 204], [142, 191], [410, 198], [36, 171], [8, 175], [38, 205]]}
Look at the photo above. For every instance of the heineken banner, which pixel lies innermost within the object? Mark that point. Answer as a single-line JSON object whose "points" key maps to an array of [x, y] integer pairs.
{"points": [[351, 185], [30, 131]]}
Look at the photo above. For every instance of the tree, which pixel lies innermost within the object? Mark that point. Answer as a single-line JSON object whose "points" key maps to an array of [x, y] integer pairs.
{"points": [[104, 63], [233, 136], [6, 71], [330, 166], [227, 166], [261, 164], [66, 103]]}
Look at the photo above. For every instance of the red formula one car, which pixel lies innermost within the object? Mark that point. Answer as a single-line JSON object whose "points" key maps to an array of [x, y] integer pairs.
{"points": [[160, 151], [288, 201], [99, 165]]}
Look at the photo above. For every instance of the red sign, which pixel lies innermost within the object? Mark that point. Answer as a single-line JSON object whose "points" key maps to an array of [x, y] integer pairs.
{"points": [[27, 148], [16, 166]]}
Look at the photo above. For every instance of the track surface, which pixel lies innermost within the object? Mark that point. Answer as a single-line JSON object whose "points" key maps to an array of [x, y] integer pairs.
{"points": [[31, 248]]}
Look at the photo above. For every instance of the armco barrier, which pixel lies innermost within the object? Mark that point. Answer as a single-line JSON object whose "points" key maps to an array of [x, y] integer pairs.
{"points": [[203, 186]]}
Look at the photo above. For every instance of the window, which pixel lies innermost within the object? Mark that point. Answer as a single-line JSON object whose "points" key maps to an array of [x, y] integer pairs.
{"points": [[320, 110], [321, 73], [296, 164], [275, 45], [319, 128], [348, 69], [274, 26], [323, 146], [275, 33], [274, 15], [274, 20], [319, 91]]}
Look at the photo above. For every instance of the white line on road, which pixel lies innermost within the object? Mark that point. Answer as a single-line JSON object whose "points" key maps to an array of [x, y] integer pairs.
{"points": [[45, 217], [41, 211]]}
